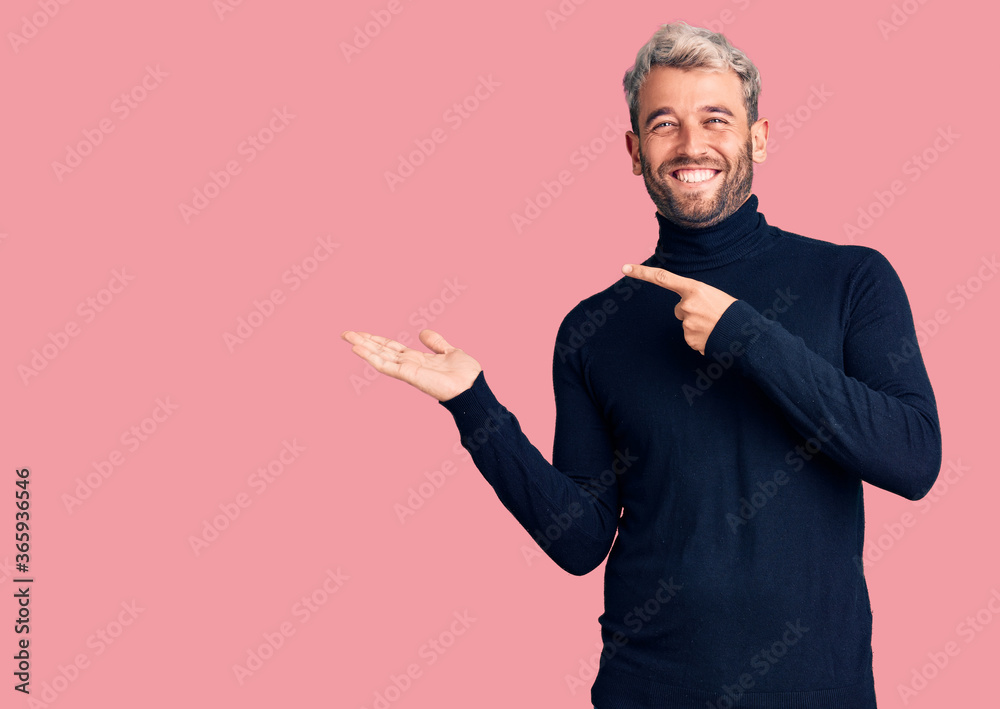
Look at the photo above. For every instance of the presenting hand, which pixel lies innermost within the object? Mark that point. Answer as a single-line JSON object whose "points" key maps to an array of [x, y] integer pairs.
{"points": [[700, 307], [444, 375]]}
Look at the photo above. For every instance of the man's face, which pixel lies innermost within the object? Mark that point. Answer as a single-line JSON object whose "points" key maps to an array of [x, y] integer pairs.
{"points": [[696, 150]]}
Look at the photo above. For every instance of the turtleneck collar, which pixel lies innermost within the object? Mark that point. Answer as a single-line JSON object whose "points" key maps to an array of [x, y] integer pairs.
{"points": [[687, 249]]}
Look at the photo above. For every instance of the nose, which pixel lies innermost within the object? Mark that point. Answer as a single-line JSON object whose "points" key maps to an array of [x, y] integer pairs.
{"points": [[691, 141]]}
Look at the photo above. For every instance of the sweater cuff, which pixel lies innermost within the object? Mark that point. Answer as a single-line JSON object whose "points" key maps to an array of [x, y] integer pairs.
{"points": [[737, 330], [476, 410]]}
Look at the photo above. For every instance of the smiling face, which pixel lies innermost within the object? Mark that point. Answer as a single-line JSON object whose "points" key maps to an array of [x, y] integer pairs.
{"points": [[695, 150]]}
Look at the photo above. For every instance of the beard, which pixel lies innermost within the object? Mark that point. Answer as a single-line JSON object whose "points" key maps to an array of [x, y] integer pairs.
{"points": [[694, 209]]}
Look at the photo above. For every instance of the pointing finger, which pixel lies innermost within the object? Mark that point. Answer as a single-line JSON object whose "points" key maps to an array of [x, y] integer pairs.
{"points": [[658, 276]]}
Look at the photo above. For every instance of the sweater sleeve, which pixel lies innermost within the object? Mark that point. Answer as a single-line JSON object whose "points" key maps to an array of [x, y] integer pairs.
{"points": [[880, 409], [569, 507]]}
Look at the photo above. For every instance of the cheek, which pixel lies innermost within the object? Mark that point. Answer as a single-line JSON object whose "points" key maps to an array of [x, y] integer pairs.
{"points": [[732, 147], [656, 157]]}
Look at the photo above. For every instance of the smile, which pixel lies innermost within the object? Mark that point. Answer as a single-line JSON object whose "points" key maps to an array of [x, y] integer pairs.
{"points": [[696, 175]]}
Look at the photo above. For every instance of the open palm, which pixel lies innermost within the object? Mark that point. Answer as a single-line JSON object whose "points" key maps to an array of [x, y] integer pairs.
{"points": [[444, 373]]}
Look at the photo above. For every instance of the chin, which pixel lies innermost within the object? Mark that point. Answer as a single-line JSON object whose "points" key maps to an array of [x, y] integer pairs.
{"points": [[699, 218]]}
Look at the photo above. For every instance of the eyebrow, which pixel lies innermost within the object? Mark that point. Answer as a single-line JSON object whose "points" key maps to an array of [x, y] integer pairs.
{"points": [[667, 111]]}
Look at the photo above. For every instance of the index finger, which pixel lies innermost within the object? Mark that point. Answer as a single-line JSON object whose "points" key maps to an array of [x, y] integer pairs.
{"points": [[659, 276]]}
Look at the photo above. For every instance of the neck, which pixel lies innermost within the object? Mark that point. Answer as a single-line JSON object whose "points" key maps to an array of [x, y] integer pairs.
{"points": [[686, 249]]}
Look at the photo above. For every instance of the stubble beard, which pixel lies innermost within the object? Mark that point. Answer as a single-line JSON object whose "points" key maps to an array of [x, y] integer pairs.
{"points": [[695, 210]]}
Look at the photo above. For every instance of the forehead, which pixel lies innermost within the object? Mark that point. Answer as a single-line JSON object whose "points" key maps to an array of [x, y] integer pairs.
{"points": [[687, 89]]}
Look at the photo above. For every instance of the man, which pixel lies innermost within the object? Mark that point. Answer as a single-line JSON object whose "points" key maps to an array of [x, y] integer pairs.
{"points": [[718, 409]]}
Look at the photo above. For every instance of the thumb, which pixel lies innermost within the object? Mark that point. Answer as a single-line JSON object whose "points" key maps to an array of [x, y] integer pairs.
{"points": [[435, 342]]}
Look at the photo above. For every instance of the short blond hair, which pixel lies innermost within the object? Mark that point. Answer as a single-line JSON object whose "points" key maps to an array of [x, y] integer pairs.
{"points": [[682, 46]]}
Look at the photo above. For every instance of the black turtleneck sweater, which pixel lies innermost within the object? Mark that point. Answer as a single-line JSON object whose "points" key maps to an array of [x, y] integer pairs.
{"points": [[733, 478]]}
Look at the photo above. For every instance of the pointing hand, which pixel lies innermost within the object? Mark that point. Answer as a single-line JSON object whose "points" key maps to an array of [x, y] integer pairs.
{"points": [[700, 307]]}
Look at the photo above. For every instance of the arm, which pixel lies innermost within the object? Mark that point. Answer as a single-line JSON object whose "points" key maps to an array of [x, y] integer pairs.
{"points": [[570, 508], [881, 407], [570, 497]]}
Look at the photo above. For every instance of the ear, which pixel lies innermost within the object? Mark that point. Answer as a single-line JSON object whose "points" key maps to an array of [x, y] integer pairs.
{"points": [[632, 145], [758, 132]]}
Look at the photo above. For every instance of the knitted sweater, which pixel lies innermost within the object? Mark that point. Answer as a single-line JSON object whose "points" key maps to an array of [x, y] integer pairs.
{"points": [[732, 479]]}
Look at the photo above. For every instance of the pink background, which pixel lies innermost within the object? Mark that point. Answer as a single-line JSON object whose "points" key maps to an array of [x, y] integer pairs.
{"points": [[216, 78]]}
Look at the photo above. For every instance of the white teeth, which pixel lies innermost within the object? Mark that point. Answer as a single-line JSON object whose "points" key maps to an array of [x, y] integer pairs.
{"points": [[694, 175]]}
